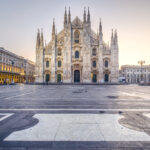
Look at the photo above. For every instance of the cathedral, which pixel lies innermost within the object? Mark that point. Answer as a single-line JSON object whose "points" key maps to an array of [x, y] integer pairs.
{"points": [[77, 54]]}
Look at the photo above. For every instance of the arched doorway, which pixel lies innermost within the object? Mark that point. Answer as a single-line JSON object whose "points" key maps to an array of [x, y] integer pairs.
{"points": [[76, 76], [94, 79], [106, 77], [47, 78], [58, 77]]}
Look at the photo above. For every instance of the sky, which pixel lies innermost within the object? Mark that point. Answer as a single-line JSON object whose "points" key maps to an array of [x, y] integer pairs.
{"points": [[20, 19]]}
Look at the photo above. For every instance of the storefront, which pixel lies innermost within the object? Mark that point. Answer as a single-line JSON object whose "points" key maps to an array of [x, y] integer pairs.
{"points": [[7, 78]]}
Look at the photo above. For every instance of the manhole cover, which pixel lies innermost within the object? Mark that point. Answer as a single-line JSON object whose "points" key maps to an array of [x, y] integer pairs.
{"points": [[112, 97]]}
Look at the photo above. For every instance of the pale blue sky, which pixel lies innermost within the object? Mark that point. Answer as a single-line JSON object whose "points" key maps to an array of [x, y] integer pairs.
{"points": [[19, 20]]}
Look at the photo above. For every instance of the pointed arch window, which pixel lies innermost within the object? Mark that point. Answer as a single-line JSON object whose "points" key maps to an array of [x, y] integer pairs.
{"points": [[76, 54], [59, 52], [94, 64], [94, 52], [47, 64], [106, 63], [76, 36], [59, 63]]}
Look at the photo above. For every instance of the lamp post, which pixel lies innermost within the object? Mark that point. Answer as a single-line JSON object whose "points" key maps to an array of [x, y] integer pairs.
{"points": [[141, 62], [43, 64]]}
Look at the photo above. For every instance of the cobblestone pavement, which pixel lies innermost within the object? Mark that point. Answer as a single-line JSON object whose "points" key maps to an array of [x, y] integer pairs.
{"points": [[74, 117]]}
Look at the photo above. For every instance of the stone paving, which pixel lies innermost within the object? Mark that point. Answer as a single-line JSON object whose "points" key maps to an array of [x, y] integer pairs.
{"points": [[76, 117]]}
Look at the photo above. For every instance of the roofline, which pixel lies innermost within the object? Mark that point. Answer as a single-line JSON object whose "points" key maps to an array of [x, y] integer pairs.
{"points": [[10, 53]]}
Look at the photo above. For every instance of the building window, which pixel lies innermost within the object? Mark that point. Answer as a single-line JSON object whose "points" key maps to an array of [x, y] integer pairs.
{"points": [[47, 64], [106, 63], [59, 52], [76, 54], [59, 63], [94, 52], [76, 37], [94, 64]]}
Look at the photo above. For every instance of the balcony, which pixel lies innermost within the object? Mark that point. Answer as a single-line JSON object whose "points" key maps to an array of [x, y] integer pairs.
{"points": [[106, 68], [94, 68], [77, 60], [59, 57], [60, 68], [94, 57], [47, 59], [76, 45]]}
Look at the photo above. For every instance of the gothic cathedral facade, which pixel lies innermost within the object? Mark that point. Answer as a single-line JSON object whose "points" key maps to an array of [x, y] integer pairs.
{"points": [[77, 54]]}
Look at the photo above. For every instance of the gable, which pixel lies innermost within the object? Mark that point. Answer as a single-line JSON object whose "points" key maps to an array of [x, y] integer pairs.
{"points": [[77, 23]]}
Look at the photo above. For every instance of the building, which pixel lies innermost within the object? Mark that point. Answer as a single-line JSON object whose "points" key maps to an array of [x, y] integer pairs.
{"points": [[135, 73], [14, 68], [11, 67], [29, 69], [77, 54]]}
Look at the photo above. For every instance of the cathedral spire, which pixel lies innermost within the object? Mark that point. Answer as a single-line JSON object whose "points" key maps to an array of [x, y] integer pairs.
{"points": [[65, 17], [84, 15], [56, 31], [100, 26], [116, 38], [100, 32], [97, 34], [112, 33], [69, 16], [53, 29], [56, 34], [112, 37], [44, 50], [42, 40], [88, 16], [38, 39]]}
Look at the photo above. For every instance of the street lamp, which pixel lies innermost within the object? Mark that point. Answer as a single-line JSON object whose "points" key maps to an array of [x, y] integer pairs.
{"points": [[141, 62]]}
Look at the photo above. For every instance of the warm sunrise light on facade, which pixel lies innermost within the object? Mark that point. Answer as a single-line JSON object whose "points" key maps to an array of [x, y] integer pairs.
{"points": [[74, 74], [20, 20]]}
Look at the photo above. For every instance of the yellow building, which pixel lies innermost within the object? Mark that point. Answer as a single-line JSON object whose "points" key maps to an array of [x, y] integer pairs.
{"points": [[11, 67]]}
